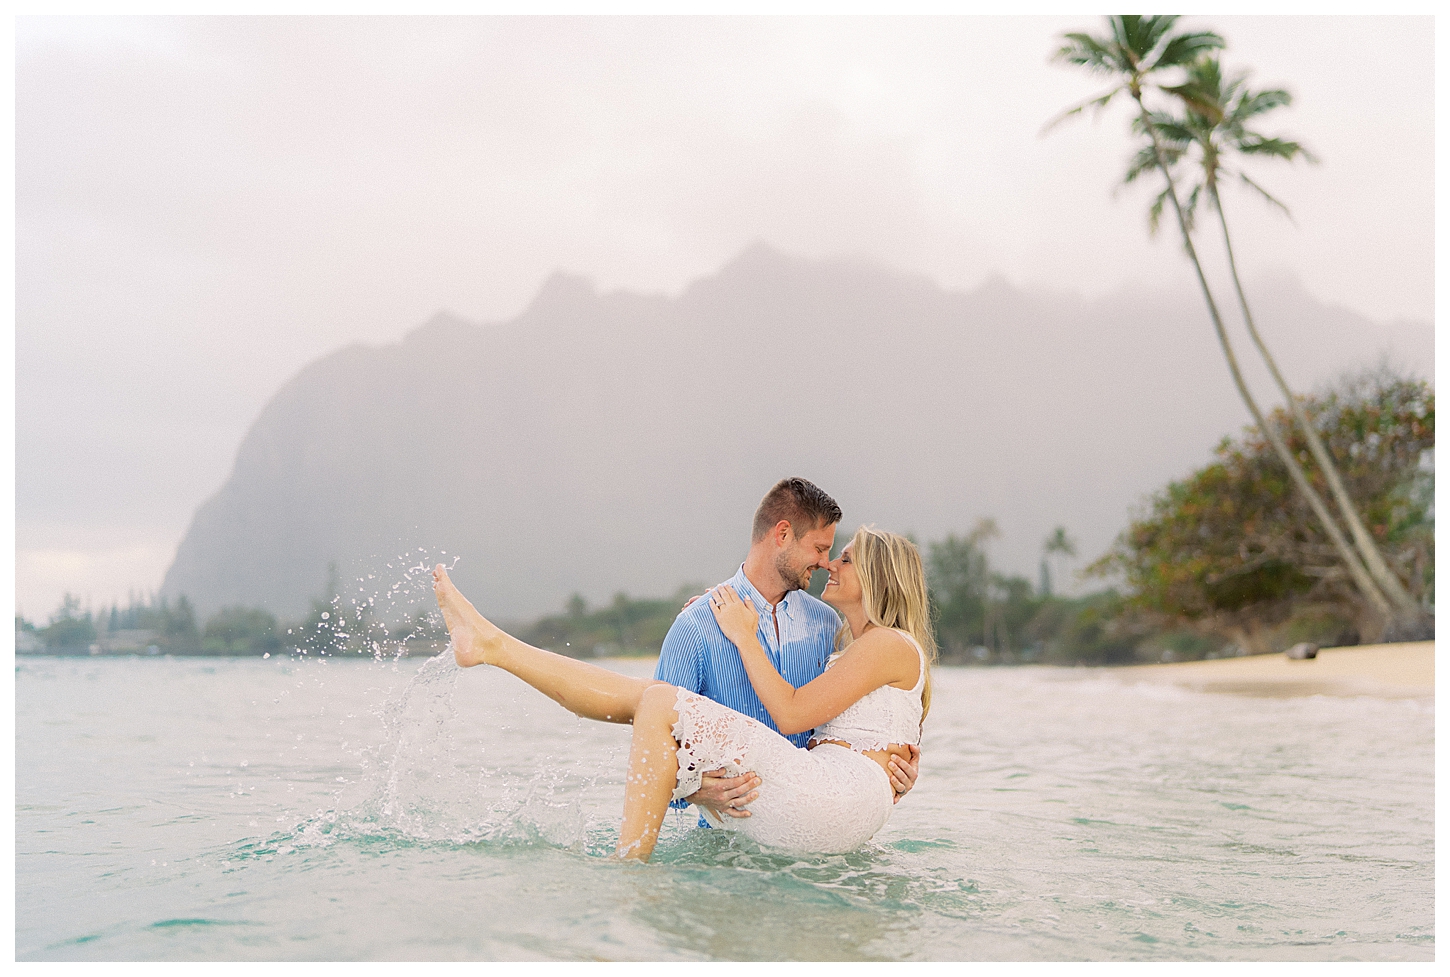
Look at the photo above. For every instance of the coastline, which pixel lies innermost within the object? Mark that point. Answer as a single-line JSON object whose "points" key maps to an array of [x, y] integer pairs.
{"points": [[1392, 671]]}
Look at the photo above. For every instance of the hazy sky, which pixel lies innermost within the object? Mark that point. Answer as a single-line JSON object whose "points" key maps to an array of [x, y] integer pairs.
{"points": [[204, 205]]}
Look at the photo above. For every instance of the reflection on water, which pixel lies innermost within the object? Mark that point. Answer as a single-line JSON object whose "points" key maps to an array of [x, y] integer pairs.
{"points": [[378, 810]]}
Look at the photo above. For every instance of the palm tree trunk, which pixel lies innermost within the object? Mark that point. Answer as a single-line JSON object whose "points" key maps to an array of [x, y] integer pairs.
{"points": [[1364, 543], [1357, 572]]}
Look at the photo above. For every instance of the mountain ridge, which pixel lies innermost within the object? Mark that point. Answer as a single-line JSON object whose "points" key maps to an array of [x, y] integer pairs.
{"points": [[619, 441]]}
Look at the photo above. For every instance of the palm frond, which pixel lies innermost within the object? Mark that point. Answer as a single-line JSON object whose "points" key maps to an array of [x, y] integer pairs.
{"points": [[1269, 197], [1184, 49], [1155, 213], [1127, 34], [1097, 103], [1190, 206], [1203, 92], [1257, 103], [1231, 90], [1145, 160], [1198, 99], [1089, 52], [1255, 145], [1206, 72], [1145, 37], [1169, 128]]}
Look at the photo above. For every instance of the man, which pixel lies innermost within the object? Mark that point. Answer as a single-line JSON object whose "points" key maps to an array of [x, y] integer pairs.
{"points": [[791, 537]]}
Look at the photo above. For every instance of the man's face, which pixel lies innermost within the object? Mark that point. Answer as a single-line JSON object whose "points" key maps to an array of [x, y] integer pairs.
{"points": [[803, 555]]}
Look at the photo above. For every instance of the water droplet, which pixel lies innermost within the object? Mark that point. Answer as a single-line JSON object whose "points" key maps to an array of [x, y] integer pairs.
{"points": [[325, 615]]}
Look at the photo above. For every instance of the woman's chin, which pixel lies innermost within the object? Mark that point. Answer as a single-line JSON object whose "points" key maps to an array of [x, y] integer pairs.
{"points": [[829, 594]]}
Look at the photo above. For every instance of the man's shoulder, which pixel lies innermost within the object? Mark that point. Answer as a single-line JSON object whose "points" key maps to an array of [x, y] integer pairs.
{"points": [[698, 616], [696, 620]]}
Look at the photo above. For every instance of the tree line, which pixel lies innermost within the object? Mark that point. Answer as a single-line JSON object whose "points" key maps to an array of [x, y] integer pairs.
{"points": [[157, 625], [1231, 559], [154, 625]]}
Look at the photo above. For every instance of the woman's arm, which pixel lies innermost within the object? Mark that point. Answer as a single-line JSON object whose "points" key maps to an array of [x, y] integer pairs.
{"points": [[878, 658]]}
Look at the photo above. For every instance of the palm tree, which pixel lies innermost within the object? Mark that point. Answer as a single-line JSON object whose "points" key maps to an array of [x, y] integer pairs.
{"points": [[1058, 542], [1218, 112], [985, 530], [1135, 52]]}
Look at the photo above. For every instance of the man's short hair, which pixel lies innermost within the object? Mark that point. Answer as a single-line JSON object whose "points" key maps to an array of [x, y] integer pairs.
{"points": [[799, 503]]}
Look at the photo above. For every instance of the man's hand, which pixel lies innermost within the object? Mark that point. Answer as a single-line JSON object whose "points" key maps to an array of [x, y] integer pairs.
{"points": [[904, 771], [727, 796]]}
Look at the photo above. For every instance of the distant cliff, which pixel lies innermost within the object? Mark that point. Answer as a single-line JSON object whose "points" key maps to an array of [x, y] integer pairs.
{"points": [[599, 443]]}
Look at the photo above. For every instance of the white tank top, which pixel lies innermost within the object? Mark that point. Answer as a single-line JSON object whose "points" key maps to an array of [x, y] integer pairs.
{"points": [[882, 716]]}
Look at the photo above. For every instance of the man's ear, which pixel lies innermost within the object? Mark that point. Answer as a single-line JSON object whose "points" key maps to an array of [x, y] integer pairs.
{"points": [[782, 532]]}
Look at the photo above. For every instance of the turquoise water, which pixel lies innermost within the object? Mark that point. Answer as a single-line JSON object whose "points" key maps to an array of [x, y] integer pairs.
{"points": [[329, 809]]}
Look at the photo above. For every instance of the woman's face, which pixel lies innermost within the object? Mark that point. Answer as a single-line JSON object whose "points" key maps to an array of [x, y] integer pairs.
{"points": [[844, 588]]}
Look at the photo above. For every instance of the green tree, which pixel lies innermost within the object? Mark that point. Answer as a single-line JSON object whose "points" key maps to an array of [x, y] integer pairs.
{"points": [[241, 631], [1234, 548], [178, 630], [69, 625], [1058, 541], [958, 577], [1214, 131], [628, 626], [324, 630], [1136, 51], [975, 608]]}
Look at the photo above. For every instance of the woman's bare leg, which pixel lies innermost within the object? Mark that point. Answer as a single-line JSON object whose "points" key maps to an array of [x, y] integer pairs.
{"points": [[584, 689], [653, 768], [589, 691]]}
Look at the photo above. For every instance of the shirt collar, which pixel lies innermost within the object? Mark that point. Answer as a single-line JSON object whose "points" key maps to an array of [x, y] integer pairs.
{"points": [[747, 591]]}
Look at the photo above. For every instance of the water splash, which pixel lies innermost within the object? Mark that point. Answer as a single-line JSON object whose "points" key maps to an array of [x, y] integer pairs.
{"points": [[418, 786], [387, 611], [418, 770]]}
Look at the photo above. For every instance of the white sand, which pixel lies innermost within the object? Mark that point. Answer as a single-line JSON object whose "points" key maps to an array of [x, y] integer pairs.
{"points": [[1392, 671]]}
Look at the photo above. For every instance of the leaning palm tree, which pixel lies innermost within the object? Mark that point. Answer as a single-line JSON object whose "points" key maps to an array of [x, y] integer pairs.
{"points": [[1135, 53], [1215, 127]]}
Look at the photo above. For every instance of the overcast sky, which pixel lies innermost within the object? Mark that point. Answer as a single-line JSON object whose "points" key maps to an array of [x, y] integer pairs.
{"points": [[204, 205]]}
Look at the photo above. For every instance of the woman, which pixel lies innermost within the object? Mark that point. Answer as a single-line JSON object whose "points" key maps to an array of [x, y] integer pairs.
{"points": [[831, 797]]}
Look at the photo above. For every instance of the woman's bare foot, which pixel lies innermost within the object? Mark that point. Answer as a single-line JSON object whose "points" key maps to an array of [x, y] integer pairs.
{"points": [[475, 640]]}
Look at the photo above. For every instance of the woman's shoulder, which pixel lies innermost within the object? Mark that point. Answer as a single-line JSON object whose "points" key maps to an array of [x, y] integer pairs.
{"points": [[886, 643]]}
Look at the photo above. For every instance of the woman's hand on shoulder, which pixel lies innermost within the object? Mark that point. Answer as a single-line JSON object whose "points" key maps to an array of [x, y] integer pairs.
{"points": [[737, 619]]}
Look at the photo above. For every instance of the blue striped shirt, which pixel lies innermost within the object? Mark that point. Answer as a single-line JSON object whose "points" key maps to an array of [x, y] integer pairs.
{"points": [[697, 656]]}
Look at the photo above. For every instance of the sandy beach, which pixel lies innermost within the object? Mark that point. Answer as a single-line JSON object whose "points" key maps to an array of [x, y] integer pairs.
{"points": [[1394, 671]]}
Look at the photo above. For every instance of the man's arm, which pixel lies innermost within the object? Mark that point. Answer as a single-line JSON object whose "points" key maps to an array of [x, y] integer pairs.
{"points": [[682, 663], [681, 656]]}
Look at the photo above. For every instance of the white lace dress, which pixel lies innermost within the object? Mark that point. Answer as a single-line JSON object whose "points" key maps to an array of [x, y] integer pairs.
{"points": [[826, 800]]}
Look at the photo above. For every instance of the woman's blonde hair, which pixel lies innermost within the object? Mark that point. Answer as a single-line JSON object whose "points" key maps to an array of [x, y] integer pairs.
{"points": [[893, 591]]}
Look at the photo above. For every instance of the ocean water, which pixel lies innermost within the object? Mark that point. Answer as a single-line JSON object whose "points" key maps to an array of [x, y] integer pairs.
{"points": [[247, 809]]}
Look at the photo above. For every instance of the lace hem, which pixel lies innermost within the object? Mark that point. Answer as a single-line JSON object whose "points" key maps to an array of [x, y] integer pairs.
{"points": [[855, 746], [706, 743]]}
